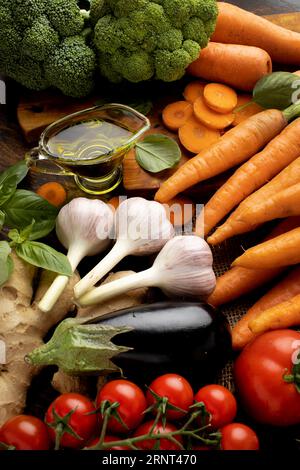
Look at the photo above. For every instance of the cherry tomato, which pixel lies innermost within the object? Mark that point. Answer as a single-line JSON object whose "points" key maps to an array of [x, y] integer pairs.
{"points": [[82, 422], [259, 376], [132, 404], [164, 444], [178, 392], [237, 436], [109, 439], [219, 402], [25, 433]]}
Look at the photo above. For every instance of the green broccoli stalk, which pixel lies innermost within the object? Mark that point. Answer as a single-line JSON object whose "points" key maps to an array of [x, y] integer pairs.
{"points": [[138, 40], [43, 43]]}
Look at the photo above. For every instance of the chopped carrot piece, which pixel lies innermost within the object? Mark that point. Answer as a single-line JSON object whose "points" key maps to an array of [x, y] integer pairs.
{"points": [[114, 202], [210, 118], [53, 192], [176, 114], [248, 111], [196, 137], [220, 98], [193, 91]]}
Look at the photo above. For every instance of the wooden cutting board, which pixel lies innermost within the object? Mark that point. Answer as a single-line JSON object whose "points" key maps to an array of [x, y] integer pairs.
{"points": [[37, 110]]}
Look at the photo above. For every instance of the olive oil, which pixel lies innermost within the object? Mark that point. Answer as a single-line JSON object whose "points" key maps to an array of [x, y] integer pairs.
{"points": [[90, 145]]}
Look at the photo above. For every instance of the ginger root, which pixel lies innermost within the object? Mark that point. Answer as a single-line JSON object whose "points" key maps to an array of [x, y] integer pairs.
{"points": [[22, 328], [64, 383]]}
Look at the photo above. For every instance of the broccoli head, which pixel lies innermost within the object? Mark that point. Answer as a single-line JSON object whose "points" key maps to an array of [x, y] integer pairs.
{"points": [[36, 35], [141, 39]]}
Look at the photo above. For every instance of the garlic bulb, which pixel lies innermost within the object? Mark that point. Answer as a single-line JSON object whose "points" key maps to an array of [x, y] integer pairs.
{"points": [[183, 268], [83, 227], [142, 228]]}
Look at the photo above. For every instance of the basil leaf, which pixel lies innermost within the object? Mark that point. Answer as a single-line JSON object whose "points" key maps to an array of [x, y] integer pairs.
{"points": [[15, 237], [8, 187], [142, 106], [2, 219], [278, 90], [25, 206], [19, 170], [43, 256], [6, 264], [157, 152]]}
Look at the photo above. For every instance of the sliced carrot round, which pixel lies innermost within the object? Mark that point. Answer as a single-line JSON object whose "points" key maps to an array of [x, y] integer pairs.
{"points": [[244, 113], [194, 90], [220, 98], [176, 114], [53, 192], [196, 137], [210, 118]]}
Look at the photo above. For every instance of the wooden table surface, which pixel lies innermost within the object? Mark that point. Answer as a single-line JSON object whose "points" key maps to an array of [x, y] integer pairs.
{"points": [[13, 147]]}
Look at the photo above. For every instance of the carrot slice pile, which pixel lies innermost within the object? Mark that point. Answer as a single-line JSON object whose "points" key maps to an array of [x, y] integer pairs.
{"points": [[244, 113], [220, 98], [210, 118], [196, 137], [193, 91], [176, 114]]}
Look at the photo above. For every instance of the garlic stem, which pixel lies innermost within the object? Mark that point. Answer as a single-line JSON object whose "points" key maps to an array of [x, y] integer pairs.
{"points": [[75, 255], [117, 253], [116, 288]]}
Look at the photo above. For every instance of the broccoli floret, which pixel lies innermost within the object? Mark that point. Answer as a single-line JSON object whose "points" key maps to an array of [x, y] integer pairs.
{"points": [[99, 8], [143, 39], [36, 35], [40, 40], [71, 67], [65, 16], [27, 72], [25, 11]]}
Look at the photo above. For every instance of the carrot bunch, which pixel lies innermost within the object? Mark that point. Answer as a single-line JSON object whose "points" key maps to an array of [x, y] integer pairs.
{"points": [[207, 111]]}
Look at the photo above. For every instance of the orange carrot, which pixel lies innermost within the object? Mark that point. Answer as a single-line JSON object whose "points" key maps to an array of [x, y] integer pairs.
{"points": [[210, 118], [256, 172], [193, 91], [238, 66], [297, 73], [284, 315], [220, 98], [176, 114], [279, 205], [234, 224], [286, 289], [239, 281], [234, 147], [241, 113], [281, 251], [237, 26], [53, 192], [196, 137], [180, 211]]}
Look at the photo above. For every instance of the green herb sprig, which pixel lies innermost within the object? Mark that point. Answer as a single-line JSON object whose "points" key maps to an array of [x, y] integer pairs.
{"points": [[24, 218]]}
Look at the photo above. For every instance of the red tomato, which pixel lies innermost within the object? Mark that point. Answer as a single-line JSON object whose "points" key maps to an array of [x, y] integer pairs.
{"points": [[237, 436], [219, 402], [84, 424], [132, 404], [109, 439], [176, 389], [149, 444], [259, 376], [25, 433]]}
